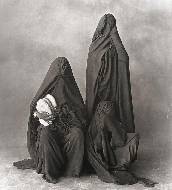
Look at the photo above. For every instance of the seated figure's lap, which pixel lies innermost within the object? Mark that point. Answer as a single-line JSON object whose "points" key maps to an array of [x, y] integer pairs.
{"points": [[47, 135]]}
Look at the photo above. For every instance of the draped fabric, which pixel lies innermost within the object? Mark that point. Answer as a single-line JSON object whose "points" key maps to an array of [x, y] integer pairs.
{"points": [[107, 74], [109, 105], [57, 149], [109, 147], [111, 142], [59, 82], [59, 152]]}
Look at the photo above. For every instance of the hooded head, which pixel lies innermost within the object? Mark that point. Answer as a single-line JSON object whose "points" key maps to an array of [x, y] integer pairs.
{"points": [[59, 67], [105, 26]]}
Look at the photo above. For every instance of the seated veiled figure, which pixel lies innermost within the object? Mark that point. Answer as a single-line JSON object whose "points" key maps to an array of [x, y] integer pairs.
{"points": [[55, 136]]}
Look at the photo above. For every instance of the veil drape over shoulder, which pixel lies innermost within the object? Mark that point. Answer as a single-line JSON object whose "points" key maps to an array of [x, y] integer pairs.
{"points": [[107, 74], [60, 81]]}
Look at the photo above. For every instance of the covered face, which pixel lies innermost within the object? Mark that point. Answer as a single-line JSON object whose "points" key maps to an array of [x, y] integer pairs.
{"points": [[60, 87], [107, 74], [58, 68], [104, 27]]}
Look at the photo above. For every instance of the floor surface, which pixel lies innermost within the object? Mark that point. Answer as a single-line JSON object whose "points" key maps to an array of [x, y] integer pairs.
{"points": [[153, 166]]}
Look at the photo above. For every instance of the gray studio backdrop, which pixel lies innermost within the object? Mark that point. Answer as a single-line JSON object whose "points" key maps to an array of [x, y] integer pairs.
{"points": [[34, 33]]}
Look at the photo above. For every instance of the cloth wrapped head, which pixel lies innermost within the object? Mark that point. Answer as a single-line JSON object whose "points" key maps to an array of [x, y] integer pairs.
{"points": [[104, 27], [46, 110]]}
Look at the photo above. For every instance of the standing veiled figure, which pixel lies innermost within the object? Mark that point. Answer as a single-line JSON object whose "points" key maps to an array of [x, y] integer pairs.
{"points": [[107, 75], [57, 149], [111, 142]]}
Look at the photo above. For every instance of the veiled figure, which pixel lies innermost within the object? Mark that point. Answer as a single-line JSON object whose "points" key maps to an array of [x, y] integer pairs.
{"points": [[107, 74], [58, 149], [111, 142]]}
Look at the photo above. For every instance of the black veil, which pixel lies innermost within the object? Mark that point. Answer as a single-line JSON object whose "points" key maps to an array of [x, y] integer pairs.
{"points": [[60, 76], [107, 74]]}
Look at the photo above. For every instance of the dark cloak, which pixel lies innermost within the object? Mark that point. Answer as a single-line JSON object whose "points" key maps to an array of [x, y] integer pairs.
{"points": [[106, 138], [59, 76], [107, 74], [111, 142], [57, 149]]}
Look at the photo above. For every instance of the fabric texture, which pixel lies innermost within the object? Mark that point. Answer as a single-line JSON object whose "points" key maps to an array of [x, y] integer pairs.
{"points": [[60, 83], [107, 74], [111, 140], [46, 110], [59, 153], [109, 106], [109, 147], [58, 148]]}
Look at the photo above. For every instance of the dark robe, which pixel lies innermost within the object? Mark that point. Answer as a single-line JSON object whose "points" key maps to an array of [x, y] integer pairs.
{"points": [[110, 148], [58, 149], [107, 74], [111, 142], [59, 82]]}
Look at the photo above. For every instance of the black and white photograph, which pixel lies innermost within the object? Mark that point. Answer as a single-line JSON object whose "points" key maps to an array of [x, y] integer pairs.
{"points": [[85, 94]]}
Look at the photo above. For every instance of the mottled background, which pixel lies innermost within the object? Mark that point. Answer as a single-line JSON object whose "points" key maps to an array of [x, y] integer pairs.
{"points": [[34, 33]]}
